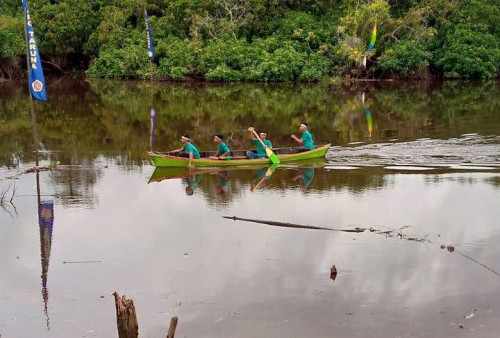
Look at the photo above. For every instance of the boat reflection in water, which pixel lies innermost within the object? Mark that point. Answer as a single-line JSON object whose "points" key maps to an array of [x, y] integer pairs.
{"points": [[234, 180]]}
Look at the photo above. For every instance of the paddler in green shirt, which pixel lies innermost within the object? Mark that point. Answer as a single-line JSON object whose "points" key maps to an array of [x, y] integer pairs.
{"points": [[189, 149], [306, 142], [223, 151], [260, 151]]}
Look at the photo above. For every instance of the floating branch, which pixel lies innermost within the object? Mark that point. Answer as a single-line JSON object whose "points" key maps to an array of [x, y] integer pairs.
{"points": [[33, 170], [291, 225], [392, 233], [6, 203]]}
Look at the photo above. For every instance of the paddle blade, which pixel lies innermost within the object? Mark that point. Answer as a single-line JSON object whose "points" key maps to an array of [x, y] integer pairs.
{"points": [[272, 156], [271, 169]]}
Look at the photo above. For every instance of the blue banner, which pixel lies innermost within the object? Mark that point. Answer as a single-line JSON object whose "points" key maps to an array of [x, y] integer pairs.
{"points": [[36, 80], [151, 50]]}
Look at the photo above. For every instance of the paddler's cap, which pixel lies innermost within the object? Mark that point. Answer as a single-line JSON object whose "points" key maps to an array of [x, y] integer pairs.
{"points": [[304, 124], [219, 136], [186, 137]]}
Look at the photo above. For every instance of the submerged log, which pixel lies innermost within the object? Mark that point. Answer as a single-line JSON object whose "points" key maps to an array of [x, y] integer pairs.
{"points": [[126, 319]]}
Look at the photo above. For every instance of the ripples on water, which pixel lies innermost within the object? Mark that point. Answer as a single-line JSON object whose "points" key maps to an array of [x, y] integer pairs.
{"points": [[469, 152]]}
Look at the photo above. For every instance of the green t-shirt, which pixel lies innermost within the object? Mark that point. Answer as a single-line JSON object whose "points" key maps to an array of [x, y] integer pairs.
{"points": [[223, 148], [308, 176], [260, 149], [193, 183], [191, 148], [307, 140]]}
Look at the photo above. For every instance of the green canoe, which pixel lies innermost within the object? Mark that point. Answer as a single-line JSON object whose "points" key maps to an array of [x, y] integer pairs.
{"points": [[284, 154]]}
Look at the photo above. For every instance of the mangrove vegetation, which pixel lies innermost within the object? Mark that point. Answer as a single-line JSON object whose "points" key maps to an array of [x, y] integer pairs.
{"points": [[258, 40]]}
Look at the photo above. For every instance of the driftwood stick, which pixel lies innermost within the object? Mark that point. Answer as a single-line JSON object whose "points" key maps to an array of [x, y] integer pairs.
{"points": [[172, 327], [291, 225], [126, 319]]}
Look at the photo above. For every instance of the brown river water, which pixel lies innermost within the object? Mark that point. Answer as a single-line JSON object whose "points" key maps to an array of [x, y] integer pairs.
{"points": [[416, 165]]}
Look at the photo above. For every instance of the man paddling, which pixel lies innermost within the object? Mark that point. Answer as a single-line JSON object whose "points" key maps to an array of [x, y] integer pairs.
{"points": [[259, 151], [223, 151], [189, 149], [306, 141]]}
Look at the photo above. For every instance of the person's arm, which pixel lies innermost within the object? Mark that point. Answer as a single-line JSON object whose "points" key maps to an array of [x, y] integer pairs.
{"points": [[191, 155], [226, 153], [177, 150], [298, 140], [250, 130]]}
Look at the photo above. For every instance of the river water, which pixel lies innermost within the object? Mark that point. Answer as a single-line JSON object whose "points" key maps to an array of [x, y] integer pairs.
{"points": [[416, 165]]}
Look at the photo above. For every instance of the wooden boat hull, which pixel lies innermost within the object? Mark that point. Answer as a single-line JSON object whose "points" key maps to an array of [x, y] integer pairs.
{"points": [[163, 160]]}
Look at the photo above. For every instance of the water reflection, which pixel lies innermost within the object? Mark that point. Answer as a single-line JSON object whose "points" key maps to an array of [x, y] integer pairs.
{"points": [[97, 134], [305, 177], [46, 224], [85, 120], [227, 182], [224, 184]]}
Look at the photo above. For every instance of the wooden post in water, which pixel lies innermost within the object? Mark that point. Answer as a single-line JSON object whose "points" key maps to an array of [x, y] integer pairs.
{"points": [[126, 319], [172, 327]]}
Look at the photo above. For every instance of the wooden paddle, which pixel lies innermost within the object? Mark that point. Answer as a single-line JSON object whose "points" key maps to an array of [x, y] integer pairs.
{"points": [[272, 156]]}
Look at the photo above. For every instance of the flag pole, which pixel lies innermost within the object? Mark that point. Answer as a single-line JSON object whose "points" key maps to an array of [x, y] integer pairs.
{"points": [[45, 293], [32, 106]]}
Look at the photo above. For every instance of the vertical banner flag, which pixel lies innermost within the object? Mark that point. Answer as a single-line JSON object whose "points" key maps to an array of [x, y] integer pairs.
{"points": [[153, 125], [151, 50], [36, 79], [374, 38]]}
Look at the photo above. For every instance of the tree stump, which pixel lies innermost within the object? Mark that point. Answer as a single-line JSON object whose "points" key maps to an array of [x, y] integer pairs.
{"points": [[172, 327], [126, 319]]}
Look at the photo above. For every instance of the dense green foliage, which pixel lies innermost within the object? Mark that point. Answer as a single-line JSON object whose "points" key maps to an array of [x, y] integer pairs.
{"points": [[260, 40]]}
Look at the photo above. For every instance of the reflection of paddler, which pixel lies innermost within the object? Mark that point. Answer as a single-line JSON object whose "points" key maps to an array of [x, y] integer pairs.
{"points": [[223, 183], [192, 182], [262, 175], [306, 176], [259, 176], [189, 149], [223, 151]]}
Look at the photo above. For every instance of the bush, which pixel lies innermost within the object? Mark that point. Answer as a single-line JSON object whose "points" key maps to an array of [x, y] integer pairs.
{"points": [[469, 54], [316, 67], [223, 73], [130, 61], [404, 58], [176, 58], [11, 39]]}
